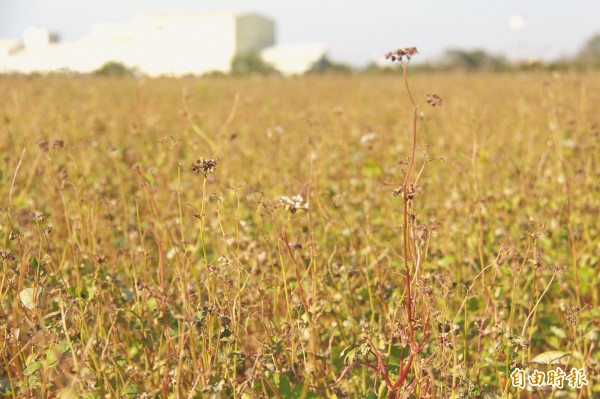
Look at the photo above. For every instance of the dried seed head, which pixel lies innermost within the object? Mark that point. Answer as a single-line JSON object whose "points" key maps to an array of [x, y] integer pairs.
{"points": [[503, 253], [434, 100], [43, 144], [6, 255], [57, 144], [517, 341], [412, 189], [38, 216], [50, 145], [204, 166], [571, 317], [401, 54], [295, 246]]}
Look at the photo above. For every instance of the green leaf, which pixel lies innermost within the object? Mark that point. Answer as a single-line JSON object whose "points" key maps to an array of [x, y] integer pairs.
{"points": [[549, 357], [33, 263], [491, 362], [396, 355], [33, 367], [371, 169], [151, 305], [29, 297], [288, 390], [78, 293], [45, 260], [55, 352], [349, 355], [447, 260], [559, 332], [131, 391]]}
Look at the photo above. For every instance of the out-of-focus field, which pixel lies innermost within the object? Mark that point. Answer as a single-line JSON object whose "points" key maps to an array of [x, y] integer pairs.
{"points": [[126, 274]]}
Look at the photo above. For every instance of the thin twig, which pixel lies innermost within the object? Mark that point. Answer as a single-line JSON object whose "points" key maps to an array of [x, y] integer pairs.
{"points": [[536, 304], [12, 185]]}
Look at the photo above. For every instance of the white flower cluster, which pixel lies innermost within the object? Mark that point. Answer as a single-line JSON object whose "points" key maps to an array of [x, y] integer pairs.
{"points": [[368, 139], [293, 204]]}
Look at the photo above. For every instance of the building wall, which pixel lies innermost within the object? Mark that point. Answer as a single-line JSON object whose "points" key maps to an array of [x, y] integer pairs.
{"points": [[294, 59], [36, 38], [253, 33], [168, 44], [48, 59], [186, 44], [8, 47]]}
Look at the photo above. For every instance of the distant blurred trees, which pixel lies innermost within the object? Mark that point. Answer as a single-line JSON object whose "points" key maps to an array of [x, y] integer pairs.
{"points": [[115, 69], [589, 55], [251, 64], [474, 60], [480, 60], [325, 66], [452, 60]]}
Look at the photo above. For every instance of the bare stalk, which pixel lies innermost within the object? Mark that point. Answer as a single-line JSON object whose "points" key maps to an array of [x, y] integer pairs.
{"points": [[405, 184]]}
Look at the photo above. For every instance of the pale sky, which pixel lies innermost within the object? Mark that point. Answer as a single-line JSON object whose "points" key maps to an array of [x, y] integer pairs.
{"points": [[355, 30]]}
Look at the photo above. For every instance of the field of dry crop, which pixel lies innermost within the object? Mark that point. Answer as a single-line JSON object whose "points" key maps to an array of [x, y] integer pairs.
{"points": [[250, 237]]}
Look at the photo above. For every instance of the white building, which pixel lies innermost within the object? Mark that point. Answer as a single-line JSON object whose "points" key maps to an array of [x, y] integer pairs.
{"points": [[292, 59], [7, 48], [164, 44]]}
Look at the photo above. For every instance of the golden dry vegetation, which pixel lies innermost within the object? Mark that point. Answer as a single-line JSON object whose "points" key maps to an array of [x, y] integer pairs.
{"points": [[126, 274]]}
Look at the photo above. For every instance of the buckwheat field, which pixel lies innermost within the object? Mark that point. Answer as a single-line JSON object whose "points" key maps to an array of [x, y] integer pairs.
{"points": [[387, 236]]}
